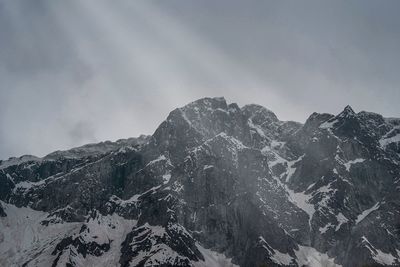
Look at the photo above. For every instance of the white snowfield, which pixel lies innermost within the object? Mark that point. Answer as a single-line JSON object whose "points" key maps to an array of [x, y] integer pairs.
{"points": [[212, 258], [304, 256], [308, 256], [24, 240]]}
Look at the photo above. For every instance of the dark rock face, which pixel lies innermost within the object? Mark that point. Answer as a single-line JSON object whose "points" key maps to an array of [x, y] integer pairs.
{"points": [[2, 212], [237, 181], [155, 240]]}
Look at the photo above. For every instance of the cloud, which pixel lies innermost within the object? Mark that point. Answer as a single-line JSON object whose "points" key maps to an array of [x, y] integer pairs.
{"points": [[81, 132], [76, 71]]}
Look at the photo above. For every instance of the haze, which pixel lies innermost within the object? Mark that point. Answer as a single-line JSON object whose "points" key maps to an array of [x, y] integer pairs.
{"points": [[74, 72]]}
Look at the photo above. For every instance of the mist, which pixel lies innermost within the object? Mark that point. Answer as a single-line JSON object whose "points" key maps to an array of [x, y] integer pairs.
{"points": [[74, 72]]}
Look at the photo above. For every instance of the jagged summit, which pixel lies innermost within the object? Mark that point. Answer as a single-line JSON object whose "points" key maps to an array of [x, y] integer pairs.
{"points": [[347, 112], [348, 109], [207, 103], [215, 185], [254, 111]]}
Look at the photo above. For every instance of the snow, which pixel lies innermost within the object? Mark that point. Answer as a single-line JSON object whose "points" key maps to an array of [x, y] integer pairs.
{"points": [[351, 162], [105, 229], [123, 203], [177, 187], [325, 189], [25, 185], [185, 117], [23, 238], [310, 186], [305, 256], [386, 141], [206, 167], [310, 257], [239, 145], [328, 124], [301, 200], [281, 258], [384, 258], [326, 193], [275, 255], [9, 177], [270, 153], [324, 229], [277, 144], [213, 259], [365, 213], [162, 255], [233, 146], [17, 161], [166, 177], [221, 110], [160, 158], [257, 128], [157, 252], [290, 169], [341, 220], [378, 255]]}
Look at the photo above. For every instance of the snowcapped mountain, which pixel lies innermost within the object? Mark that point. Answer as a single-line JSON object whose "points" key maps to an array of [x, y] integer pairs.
{"points": [[215, 185]]}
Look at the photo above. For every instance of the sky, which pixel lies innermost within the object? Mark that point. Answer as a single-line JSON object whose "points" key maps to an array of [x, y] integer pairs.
{"points": [[75, 72]]}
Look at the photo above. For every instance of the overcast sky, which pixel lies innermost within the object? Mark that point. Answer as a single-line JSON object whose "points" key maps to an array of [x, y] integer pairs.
{"points": [[73, 72]]}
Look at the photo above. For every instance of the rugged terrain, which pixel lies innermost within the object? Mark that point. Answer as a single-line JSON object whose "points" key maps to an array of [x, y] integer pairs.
{"points": [[215, 185]]}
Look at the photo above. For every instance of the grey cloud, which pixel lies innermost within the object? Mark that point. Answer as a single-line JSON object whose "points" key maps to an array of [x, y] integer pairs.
{"points": [[75, 71], [82, 131]]}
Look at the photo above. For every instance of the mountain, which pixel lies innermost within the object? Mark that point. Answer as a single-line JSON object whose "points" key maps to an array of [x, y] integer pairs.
{"points": [[215, 185]]}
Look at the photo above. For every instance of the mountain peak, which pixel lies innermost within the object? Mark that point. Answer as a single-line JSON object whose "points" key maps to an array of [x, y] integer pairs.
{"points": [[312, 189], [210, 102], [348, 110], [255, 110]]}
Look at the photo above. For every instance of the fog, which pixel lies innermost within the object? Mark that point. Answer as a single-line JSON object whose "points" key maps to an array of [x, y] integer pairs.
{"points": [[73, 72]]}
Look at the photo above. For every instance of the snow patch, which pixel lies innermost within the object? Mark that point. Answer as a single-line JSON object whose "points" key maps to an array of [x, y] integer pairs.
{"points": [[17, 161], [212, 258], [206, 167], [385, 141], [328, 124], [275, 255], [273, 157], [308, 256], [324, 229], [365, 213], [378, 255], [301, 200], [166, 177], [26, 185], [256, 128], [291, 169], [160, 158], [351, 162], [341, 220]]}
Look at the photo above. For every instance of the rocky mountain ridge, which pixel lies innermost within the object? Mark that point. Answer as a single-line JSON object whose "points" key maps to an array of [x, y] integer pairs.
{"points": [[215, 185]]}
